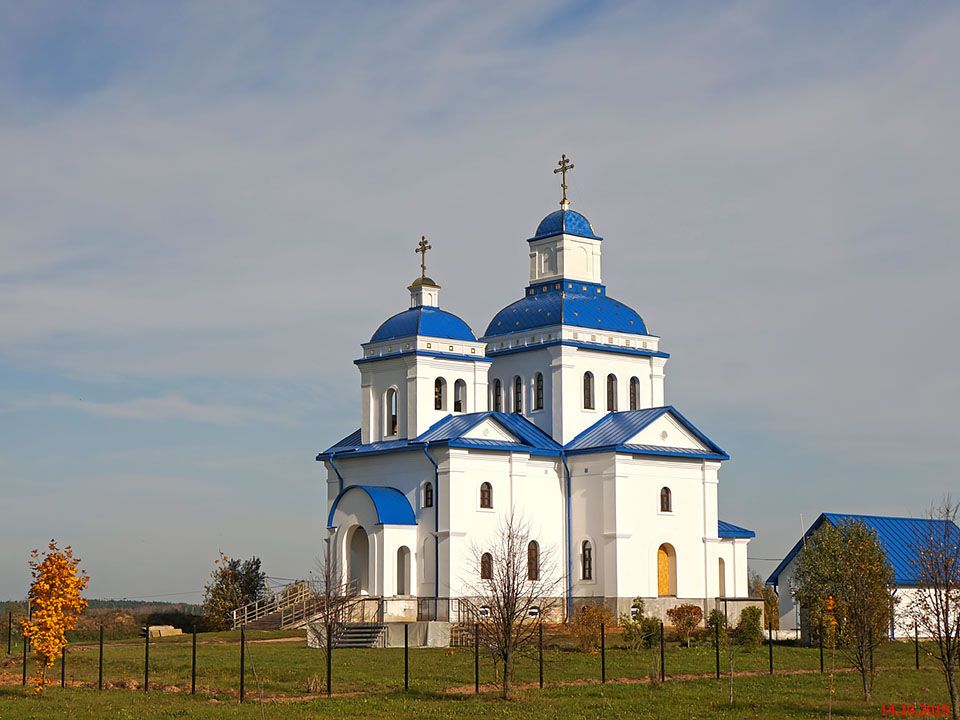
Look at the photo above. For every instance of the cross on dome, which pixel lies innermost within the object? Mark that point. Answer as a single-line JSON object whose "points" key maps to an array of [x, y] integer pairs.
{"points": [[565, 165], [422, 248]]}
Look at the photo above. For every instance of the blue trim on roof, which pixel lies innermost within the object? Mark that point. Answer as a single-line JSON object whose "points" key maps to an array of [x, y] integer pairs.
{"points": [[568, 222], [424, 320], [569, 306], [729, 530], [602, 347], [391, 505], [897, 534], [422, 353]]}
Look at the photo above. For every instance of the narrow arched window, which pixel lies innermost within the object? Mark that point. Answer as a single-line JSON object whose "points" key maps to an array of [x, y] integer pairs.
{"points": [[428, 495], [634, 393], [538, 392], [588, 391], [486, 566], [611, 393], [439, 386], [517, 395], [486, 495], [533, 560], [459, 396], [497, 396], [391, 407], [666, 500], [586, 560]]}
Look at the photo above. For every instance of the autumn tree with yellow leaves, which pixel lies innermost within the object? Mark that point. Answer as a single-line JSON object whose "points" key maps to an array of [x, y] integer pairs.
{"points": [[55, 603]]}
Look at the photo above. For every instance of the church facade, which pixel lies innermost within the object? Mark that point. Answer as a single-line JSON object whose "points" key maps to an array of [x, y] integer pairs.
{"points": [[558, 413]]}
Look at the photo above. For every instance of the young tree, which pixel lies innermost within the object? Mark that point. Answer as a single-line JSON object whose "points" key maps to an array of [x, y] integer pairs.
{"points": [[518, 585], [685, 619], [642, 634], [936, 606], [587, 624], [56, 603], [846, 562], [233, 584], [331, 597], [771, 605]]}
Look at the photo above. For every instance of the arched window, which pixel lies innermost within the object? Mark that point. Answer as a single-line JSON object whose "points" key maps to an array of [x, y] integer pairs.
{"points": [[486, 495], [428, 495], [391, 412], [403, 570], [486, 566], [611, 393], [439, 390], [586, 560], [666, 500], [459, 396], [497, 396], [588, 391], [533, 560], [517, 395], [538, 392], [634, 393]]}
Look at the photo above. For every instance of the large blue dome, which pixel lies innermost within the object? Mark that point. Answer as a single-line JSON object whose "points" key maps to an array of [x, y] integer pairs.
{"points": [[429, 321], [571, 306], [565, 221]]}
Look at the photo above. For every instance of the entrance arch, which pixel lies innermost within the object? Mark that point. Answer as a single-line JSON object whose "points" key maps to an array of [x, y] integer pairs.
{"points": [[359, 561], [666, 571], [403, 570]]}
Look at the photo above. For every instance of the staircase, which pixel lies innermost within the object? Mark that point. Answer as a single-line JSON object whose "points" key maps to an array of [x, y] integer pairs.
{"points": [[360, 635]]}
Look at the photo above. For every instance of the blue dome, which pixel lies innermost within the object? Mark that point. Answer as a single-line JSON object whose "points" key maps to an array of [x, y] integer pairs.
{"points": [[429, 321], [568, 307], [565, 221]]}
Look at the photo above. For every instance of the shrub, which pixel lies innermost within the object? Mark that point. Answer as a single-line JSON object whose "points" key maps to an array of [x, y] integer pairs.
{"points": [[685, 619], [717, 626], [586, 626], [749, 630]]}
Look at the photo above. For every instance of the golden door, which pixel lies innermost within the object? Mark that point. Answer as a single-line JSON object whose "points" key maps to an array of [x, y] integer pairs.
{"points": [[663, 572]]}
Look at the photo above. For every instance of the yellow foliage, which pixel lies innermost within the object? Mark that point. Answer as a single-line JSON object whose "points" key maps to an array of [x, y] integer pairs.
{"points": [[55, 604]]}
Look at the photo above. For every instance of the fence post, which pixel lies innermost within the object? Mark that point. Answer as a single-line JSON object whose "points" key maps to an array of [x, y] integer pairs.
{"points": [[916, 644], [193, 663], [716, 645], [770, 637], [100, 663], [663, 670], [821, 645], [63, 666], [243, 647], [146, 660], [540, 628], [603, 653], [24, 682], [476, 658], [406, 656], [9, 630], [329, 658]]}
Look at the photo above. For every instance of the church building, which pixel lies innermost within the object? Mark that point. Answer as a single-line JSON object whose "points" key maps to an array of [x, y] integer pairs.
{"points": [[558, 411]]}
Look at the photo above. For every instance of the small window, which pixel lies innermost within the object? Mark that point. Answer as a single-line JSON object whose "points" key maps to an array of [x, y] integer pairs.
{"points": [[517, 395], [459, 396], [439, 386], [611, 393], [484, 611], [533, 560], [428, 495], [588, 391], [666, 500], [586, 560], [391, 403], [533, 612], [538, 393], [486, 495], [634, 393], [486, 567], [497, 396]]}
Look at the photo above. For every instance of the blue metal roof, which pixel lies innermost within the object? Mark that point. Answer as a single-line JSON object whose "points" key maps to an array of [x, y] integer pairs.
{"points": [[391, 505], [564, 221], [572, 303], [729, 530], [614, 430], [897, 534], [429, 321]]}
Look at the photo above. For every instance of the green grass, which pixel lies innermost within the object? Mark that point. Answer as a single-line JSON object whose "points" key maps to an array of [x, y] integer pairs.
{"points": [[376, 675]]}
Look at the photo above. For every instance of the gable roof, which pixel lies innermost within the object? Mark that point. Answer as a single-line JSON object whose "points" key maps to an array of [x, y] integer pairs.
{"points": [[614, 430], [729, 530], [896, 534], [391, 505]]}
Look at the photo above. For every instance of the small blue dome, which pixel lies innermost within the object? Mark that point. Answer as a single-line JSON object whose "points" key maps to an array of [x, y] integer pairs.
{"points": [[429, 321], [565, 221]]}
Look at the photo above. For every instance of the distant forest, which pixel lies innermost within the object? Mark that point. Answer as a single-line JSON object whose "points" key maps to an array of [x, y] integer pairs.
{"points": [[134, 607]]}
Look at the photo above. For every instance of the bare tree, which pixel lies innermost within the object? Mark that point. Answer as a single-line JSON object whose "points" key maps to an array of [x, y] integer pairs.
{"points": [[936, 606], [517, 590], [330, 598]]}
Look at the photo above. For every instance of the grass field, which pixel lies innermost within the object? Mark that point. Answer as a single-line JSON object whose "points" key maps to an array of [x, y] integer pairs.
{"points": [[369, 683]]}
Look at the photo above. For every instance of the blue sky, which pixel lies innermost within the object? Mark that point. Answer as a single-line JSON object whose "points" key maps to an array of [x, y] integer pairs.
{"points": [[207, 207]]}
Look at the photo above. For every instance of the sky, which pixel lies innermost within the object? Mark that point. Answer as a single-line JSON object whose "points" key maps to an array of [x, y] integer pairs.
{"points": [[206, 207]]}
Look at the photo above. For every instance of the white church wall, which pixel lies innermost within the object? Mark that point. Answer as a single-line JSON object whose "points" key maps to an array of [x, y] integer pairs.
{"points": [[565, 256]]}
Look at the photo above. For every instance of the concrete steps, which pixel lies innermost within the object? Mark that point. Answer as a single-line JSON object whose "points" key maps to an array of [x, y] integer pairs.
{"points": [[360, 635]]}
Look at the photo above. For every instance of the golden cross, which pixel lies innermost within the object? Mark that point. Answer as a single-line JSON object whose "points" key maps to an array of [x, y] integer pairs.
{"points": [[422, 248], [565, 165]]}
